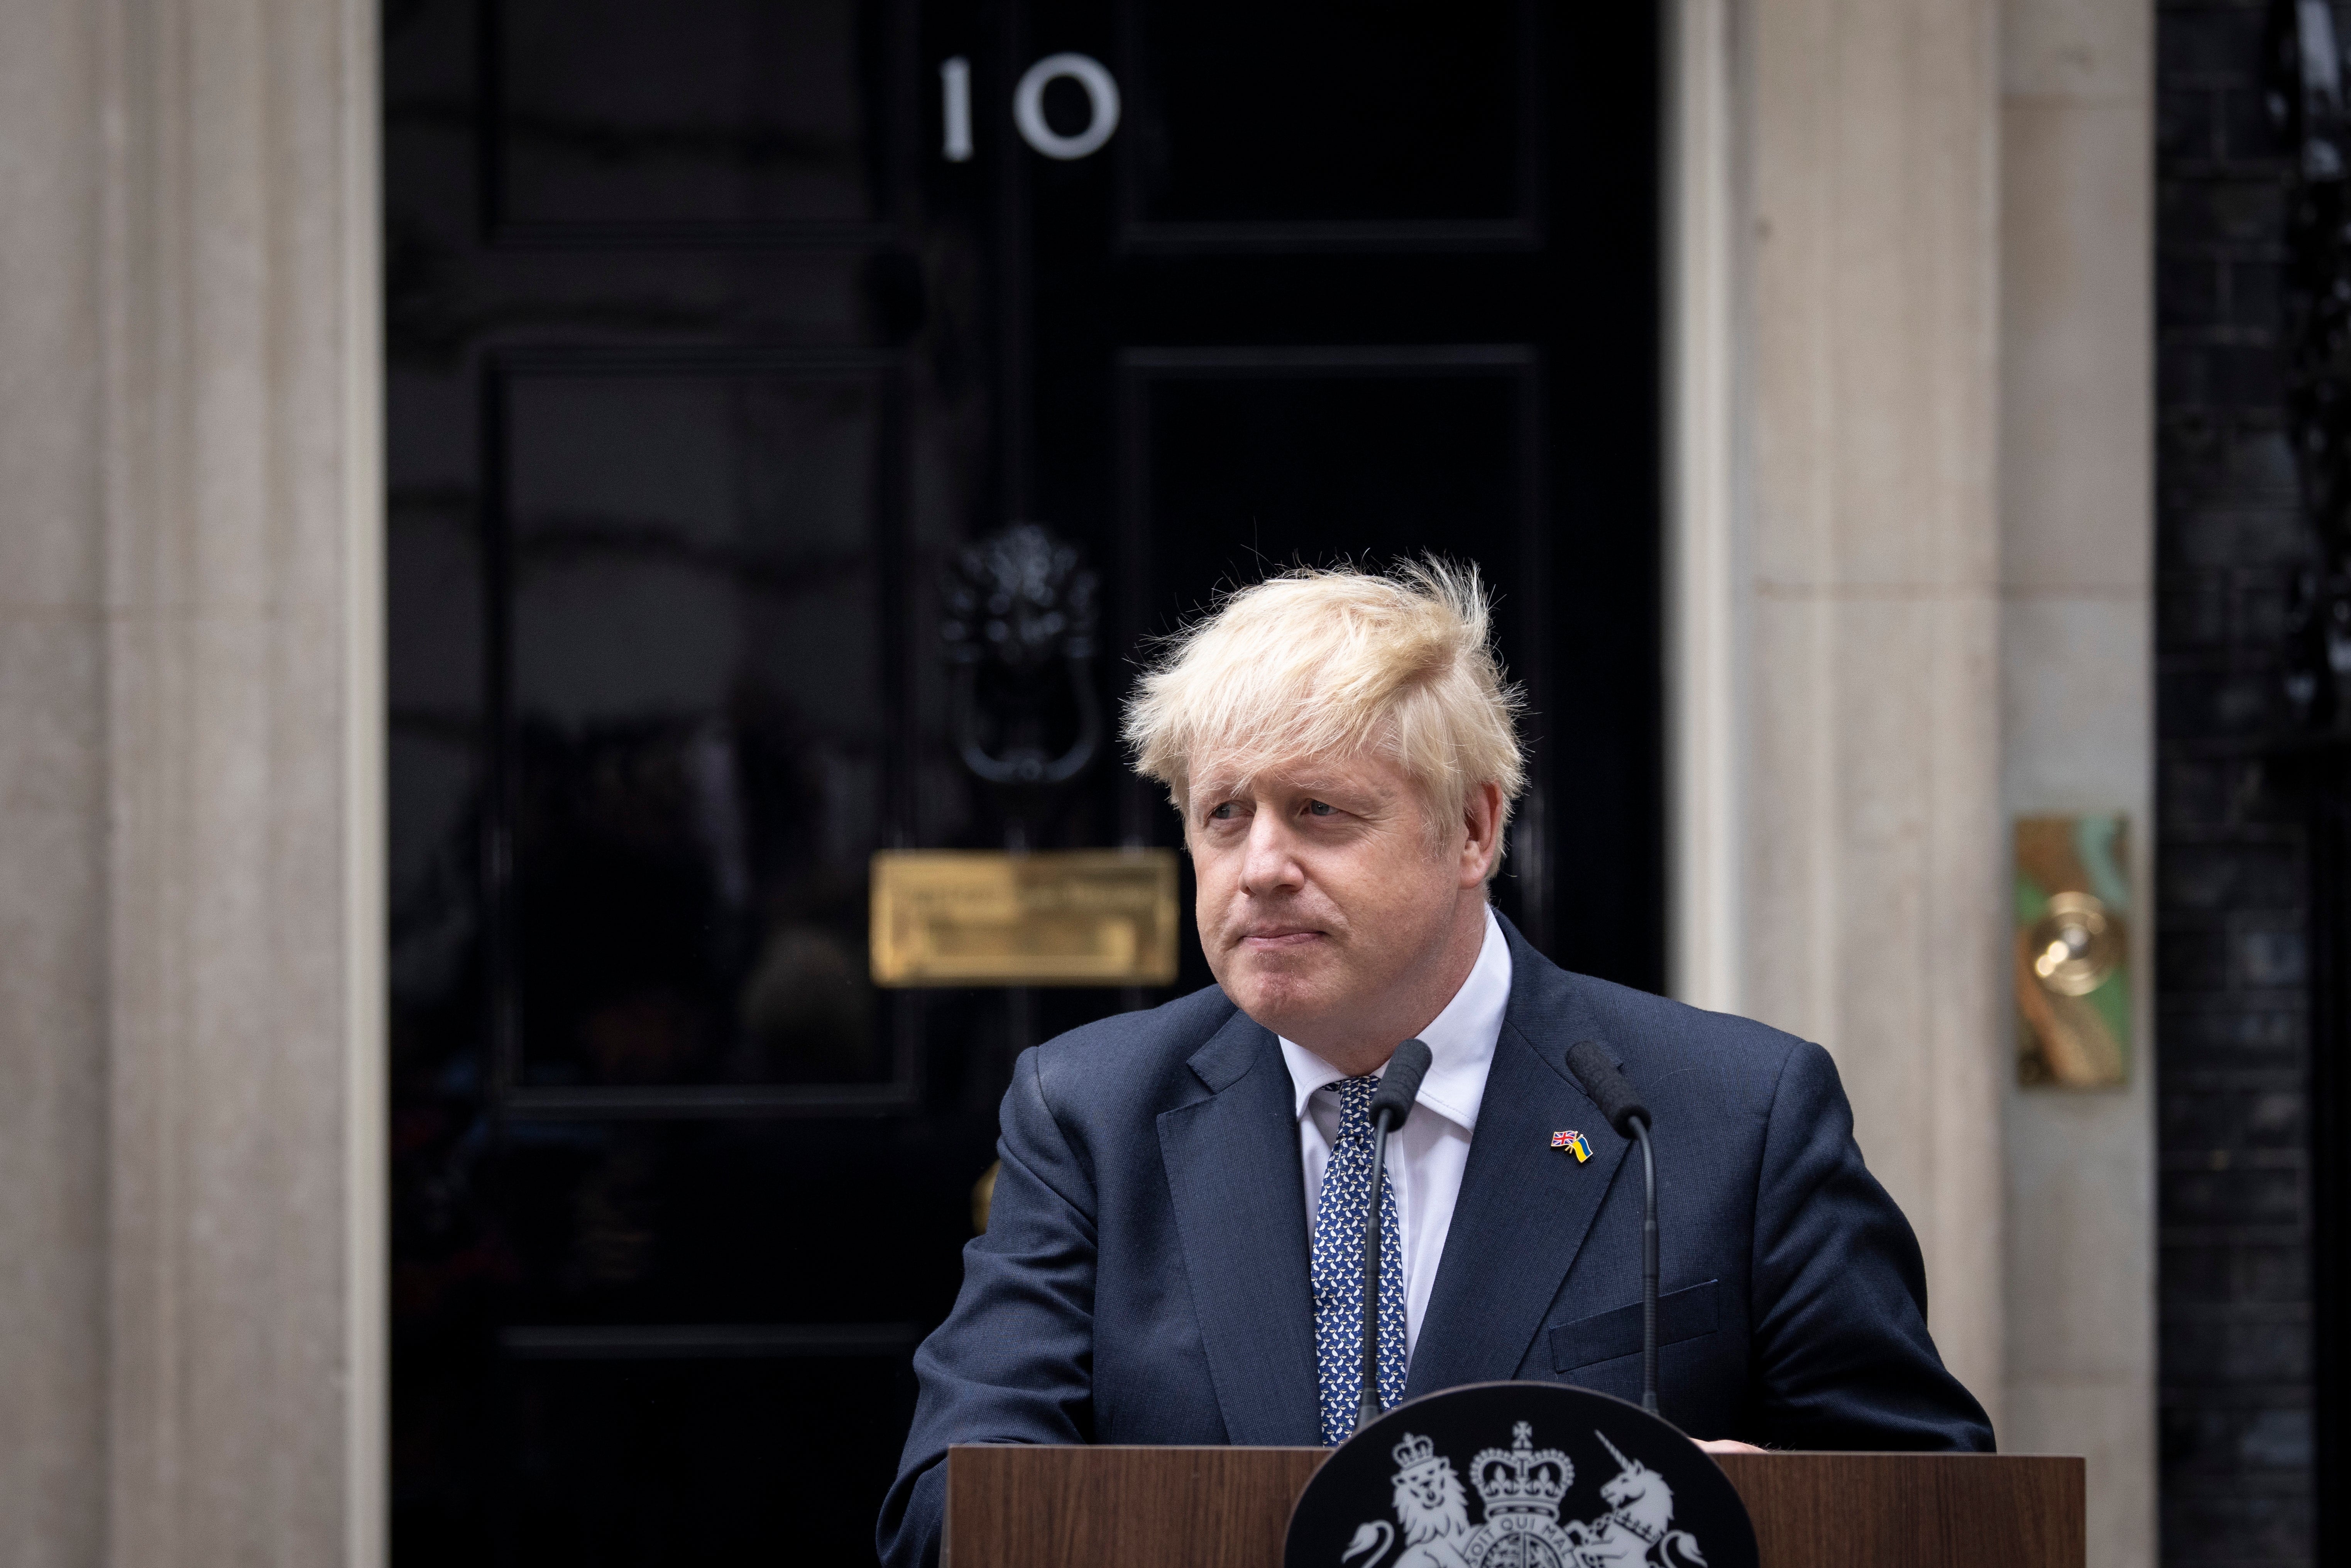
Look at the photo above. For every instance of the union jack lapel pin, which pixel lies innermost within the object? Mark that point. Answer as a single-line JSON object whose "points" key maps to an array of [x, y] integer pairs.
{"points": [[1574, 1143]]}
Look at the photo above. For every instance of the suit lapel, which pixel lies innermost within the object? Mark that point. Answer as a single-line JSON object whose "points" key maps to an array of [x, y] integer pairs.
{"points": [[1525, 1207], [1239, 1196]]}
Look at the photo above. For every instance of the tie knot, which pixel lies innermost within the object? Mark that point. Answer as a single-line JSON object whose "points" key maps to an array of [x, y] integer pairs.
{"points": [[1356, 1103]]}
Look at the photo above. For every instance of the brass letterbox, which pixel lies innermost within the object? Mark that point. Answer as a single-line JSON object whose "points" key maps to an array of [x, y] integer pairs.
{"points": [[1055, 917]]}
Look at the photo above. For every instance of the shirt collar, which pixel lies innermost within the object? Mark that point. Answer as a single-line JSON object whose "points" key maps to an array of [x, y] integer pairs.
{"points": [[1461, 1041]]}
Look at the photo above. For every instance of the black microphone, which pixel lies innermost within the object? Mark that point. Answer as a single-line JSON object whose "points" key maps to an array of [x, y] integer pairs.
{"points": [[1391, 1103], [1399, 1085], [1621, 1104]]}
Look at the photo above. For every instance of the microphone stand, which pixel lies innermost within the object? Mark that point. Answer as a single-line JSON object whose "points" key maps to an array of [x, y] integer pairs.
{"points": [[1648, 1268], [1368, 1409], [1613, 1094], [1391, 1103]]}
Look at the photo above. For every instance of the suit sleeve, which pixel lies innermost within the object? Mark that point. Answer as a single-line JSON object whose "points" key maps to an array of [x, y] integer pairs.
{"points": [[1841, 1355], [1014, 1361]]}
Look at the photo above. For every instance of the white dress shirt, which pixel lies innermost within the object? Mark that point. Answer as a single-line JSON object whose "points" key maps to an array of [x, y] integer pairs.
{"points": [[1426, 1156]]}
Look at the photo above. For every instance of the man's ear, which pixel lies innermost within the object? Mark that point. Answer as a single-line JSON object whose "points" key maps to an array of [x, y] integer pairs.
{"points": [[1481, 820]]}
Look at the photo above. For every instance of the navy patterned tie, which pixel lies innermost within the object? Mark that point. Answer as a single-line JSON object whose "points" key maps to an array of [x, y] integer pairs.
{"points": [[1339, 1268]]}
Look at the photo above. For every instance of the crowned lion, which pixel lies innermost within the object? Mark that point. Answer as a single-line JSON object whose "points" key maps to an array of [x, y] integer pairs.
{"points": [[1431, 1506]]}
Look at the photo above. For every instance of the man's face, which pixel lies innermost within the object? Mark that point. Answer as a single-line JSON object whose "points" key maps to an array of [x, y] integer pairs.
{"points": [[1323, 911]]}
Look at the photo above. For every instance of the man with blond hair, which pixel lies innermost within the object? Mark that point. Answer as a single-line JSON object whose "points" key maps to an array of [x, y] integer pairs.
{"points": [[1174, 1250]]}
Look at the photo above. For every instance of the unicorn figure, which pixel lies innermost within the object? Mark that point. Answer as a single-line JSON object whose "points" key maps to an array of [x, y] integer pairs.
{"points": [[1638, 1530]]}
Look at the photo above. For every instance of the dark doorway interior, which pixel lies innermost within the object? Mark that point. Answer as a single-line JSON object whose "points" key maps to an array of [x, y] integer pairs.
{"points": [[705, 359]]}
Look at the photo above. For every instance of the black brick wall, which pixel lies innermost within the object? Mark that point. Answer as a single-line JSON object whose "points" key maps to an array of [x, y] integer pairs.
{"points": [[2232, 983]]}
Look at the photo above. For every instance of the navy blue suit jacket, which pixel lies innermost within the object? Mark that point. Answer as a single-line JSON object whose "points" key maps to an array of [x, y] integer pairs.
{"points": [[1144, 1274]]}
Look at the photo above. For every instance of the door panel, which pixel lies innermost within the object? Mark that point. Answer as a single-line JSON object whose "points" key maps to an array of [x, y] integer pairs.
{"points": [[1285, 455], [706, 360], [704, 1452], [698, 552], [692, 122], [1328, 124]]}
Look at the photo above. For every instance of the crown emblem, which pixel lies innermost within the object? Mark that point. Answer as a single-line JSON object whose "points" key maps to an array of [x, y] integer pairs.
{"points": [[1522, 1479], [1412, 1452]]}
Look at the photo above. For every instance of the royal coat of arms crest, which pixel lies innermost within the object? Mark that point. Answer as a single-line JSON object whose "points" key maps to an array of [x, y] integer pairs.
{"points": [[1523, 1489]]}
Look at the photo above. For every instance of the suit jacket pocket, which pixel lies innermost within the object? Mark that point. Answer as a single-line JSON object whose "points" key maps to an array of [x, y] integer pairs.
{"points": [[1686, 1313]]}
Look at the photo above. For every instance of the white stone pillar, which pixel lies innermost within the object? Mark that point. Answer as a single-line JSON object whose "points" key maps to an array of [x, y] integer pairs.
{"points": [[241, 302], [192, 1146], [53, 894], [1834, 478], [1873, 866], [1898, 618]]}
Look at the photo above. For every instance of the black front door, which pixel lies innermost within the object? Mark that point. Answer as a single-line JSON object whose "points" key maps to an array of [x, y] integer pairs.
{"points": [[717, 328]]}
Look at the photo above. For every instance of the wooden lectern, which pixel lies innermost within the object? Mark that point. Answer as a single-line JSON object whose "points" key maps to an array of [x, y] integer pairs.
{"points": [[1033, 1507]]}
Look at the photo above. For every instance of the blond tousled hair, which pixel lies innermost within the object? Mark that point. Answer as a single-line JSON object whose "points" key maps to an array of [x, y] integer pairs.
{"points": [[1317, 663]]}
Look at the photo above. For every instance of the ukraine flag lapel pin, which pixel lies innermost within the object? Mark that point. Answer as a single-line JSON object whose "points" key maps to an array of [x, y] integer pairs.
{"points": [[1575, 1144]]}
